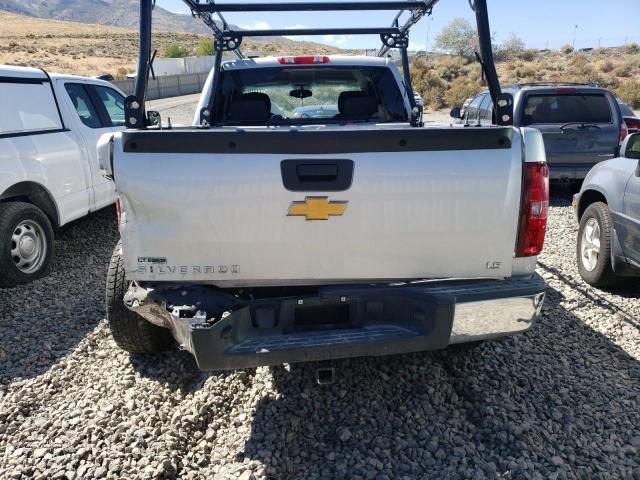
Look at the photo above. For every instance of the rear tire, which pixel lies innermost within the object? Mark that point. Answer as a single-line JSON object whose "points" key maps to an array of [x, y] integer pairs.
{"points": [[593, 250], [26, 244], [131, 332]]}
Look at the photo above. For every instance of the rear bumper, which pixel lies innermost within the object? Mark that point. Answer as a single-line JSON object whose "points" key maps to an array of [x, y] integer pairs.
{"points": [[568, 171], [352, 321]]}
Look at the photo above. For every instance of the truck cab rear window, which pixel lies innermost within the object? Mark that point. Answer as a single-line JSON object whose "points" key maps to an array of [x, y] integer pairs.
{"points": [[566, 108], [28, 108], [262, 96]]}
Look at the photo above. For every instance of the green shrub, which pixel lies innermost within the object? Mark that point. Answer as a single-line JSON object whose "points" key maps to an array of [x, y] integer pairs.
{"points": [[121, 73], [513, 46], [606, 66], [632, 48], [458, 37], [206, 47], [432, 88], [176, 51], [459, 90], [567, 49], [623, 70], [528, 55], [629, 92]]}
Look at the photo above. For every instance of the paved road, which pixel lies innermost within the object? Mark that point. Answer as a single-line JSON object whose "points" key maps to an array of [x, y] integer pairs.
{"points": [[173, 102], [179, 109]]}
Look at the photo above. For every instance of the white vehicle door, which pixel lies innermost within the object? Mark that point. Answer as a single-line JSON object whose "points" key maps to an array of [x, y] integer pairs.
{"points": [[37, 146], [91, 123], [110, 104]]}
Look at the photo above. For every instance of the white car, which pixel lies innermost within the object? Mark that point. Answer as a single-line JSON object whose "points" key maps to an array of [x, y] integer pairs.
{"points": [[49, 172]]}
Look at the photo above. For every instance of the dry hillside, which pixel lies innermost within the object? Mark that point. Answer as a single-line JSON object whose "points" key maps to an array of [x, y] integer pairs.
{"points": [[446, 80], [443, 81], [90, 49], [119, 13]]}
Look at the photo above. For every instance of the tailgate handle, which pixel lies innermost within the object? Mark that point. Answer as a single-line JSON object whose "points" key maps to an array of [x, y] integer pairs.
{"points": [[317, 172], [317, 175]]}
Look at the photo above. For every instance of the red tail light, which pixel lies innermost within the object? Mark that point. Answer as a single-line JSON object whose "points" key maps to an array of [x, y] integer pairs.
{"points": [[303, 60], [566, 90], [533, 210], [632, 122], [624, 131], [118, 213]]}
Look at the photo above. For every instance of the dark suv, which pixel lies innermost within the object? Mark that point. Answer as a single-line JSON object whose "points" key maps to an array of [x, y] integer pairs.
{"points": [[581, 124]]}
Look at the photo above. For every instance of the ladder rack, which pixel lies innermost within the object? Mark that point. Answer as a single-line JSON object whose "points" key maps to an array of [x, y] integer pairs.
{"points": [[395, 36]]}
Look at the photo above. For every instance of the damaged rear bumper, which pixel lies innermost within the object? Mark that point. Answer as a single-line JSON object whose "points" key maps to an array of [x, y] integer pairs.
{"points": [[337, 321]]}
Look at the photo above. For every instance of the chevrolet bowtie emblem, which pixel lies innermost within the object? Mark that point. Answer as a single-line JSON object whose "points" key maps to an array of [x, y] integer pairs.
{"points": [[317, 208]]}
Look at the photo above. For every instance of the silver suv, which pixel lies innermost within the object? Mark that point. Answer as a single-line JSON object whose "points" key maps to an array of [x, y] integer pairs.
{"points": [[581, 124], [608, 210]]}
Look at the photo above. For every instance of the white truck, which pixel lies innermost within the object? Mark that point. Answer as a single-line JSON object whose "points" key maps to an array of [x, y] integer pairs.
{"points": [[258, 237], [49, 172]]}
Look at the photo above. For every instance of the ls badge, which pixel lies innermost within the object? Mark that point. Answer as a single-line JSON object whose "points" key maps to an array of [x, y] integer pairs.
{"points": [[317, 208]]}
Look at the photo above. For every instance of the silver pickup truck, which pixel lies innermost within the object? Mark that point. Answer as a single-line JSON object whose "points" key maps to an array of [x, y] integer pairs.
{"points": [[258, 237]]}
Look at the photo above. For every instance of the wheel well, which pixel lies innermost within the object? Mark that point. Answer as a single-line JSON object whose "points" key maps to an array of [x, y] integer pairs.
{"points": [[35, 194], [587, 198]]}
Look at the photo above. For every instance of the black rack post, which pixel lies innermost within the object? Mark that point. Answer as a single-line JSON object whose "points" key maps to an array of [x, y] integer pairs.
{"points": [[205, 112], [407, 76], [502, 102], [134, 105], [486, 49]]}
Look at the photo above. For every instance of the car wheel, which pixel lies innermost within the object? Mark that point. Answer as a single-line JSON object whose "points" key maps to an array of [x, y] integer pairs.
{"points": [[26, 243], [130, 331], [594, 246]]}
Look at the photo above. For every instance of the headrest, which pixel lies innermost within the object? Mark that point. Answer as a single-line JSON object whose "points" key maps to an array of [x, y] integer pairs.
{"points": [[257, 96], [345, 95], [250, 107], [357, 106]]}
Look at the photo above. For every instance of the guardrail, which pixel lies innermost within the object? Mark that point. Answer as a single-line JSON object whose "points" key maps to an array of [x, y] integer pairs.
{"points": [[167, 85]]}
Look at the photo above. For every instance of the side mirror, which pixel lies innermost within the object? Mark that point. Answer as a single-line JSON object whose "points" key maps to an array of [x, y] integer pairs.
{"points": [[153, 118], [631, 146], [456, 113]]}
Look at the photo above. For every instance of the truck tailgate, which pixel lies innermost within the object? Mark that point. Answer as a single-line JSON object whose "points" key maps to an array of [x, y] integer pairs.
{"points": [[211, 206]]}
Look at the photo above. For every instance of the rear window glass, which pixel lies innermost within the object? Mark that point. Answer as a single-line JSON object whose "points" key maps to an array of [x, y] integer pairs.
{"points": [[626, 110], [587, 108], [28, 107], [301, 94], [83, 105], [114, 104]]}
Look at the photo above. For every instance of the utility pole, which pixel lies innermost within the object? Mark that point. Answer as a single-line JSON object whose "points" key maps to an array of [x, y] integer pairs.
{"points": [[575, 31], [429, 20]]}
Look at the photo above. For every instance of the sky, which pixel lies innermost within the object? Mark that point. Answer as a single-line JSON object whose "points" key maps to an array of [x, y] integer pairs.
{"points": [[540, 23]]}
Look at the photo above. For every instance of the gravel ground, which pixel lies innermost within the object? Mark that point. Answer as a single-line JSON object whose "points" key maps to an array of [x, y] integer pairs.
{"points": [[558, 402]]}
